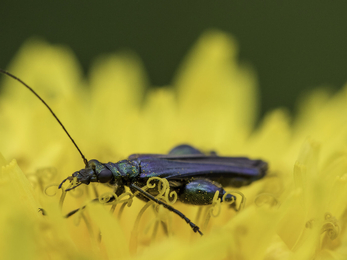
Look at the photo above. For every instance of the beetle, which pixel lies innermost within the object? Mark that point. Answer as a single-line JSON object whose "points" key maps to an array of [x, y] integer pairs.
{"points": [[193, 175]]}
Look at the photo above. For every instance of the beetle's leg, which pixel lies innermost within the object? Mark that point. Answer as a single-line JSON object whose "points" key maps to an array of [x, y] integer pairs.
{"points": [[118, 190], [74, 187], [73, 212], [149, 196]]}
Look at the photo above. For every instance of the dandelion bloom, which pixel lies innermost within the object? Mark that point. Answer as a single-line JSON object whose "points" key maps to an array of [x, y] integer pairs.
{"points": [[298, 211]]}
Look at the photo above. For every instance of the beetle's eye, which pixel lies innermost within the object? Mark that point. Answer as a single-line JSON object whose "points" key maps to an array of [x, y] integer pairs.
{"points": [[105, 176]]}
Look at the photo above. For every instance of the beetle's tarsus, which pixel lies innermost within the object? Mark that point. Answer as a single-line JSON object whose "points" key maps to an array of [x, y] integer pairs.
{"points": [[74, 187]]}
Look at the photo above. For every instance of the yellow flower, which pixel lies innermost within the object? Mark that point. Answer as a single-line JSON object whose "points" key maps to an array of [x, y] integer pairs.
{"points": [[298, 211]]}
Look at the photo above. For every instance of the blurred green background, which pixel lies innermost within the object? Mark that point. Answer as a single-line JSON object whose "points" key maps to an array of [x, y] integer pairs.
{"points": [[294, 46]]}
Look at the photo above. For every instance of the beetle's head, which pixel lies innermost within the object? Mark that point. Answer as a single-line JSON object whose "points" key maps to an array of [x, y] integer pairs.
{"points": [[93, 172]]}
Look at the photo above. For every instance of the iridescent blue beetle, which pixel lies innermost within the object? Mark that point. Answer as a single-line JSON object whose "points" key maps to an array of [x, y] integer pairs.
{"points": [[193, 175]]}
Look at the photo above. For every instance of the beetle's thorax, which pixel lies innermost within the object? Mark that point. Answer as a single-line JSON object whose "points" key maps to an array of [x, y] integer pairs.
{"points": [[125, 169], [121, 172]]}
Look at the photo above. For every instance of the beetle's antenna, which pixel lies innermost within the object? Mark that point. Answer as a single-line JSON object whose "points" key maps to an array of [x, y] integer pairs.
{"points": [[14, 77]]}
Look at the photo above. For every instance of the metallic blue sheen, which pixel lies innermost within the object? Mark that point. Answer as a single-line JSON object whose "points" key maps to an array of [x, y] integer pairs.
{"points": [[200, 192], [193, 175]]}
